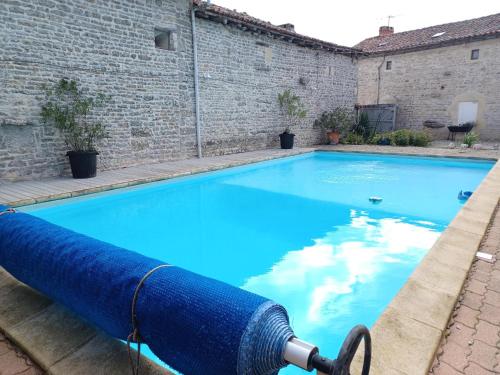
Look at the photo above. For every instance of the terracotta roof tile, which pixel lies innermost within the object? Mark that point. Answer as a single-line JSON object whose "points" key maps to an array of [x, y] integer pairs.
{"points": [[221, 14], [443, 34]]}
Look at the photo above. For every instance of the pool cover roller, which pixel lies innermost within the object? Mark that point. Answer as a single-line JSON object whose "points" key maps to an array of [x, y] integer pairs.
{"points": [[195, 324]]}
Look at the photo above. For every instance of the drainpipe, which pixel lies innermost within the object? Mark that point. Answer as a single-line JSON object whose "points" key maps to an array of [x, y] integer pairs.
{"points": [[378, 80], [196, 82]]}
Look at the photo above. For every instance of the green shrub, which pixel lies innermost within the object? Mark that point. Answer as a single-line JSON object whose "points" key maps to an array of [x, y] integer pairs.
{"points": [[400, 137], [470, 139], [339, 120], [419, 139], [292, 109], [69, 108], [374, 140], [362, 127], [353, 139], [380, 139]]}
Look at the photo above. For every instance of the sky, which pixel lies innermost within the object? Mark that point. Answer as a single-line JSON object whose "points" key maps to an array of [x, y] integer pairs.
{"points": [[348, 22]]}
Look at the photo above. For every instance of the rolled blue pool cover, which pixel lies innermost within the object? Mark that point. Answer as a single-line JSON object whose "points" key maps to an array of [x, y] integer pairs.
{"points": [[195, 324]]}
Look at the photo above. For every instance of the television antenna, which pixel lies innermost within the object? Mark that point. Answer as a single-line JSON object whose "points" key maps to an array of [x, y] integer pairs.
{"points": [[389, 19]]}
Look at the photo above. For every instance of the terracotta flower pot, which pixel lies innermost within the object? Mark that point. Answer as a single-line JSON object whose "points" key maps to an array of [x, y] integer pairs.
{"points": [[333, 138]]}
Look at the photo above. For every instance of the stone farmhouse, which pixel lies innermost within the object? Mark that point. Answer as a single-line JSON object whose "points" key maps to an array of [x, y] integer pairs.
{"points": [[440, 75], [189, 78]]}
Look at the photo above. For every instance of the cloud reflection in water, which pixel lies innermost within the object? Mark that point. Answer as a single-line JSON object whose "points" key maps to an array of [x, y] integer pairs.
{"points": [[348, 276]]}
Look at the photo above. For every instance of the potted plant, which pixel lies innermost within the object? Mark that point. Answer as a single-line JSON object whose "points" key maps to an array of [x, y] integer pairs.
{"points": [[336, 123], [68, 109], [293, 110]]}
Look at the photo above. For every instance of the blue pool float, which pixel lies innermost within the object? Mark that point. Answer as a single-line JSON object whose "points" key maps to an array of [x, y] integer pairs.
{"points": [[464, 195]]}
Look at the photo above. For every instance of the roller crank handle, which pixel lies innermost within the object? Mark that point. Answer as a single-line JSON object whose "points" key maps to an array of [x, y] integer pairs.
{"points": [[307, 357]]}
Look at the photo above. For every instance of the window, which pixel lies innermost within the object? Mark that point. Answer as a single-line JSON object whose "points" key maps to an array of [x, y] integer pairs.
{"points": [[474, 55], [388, 65], [164, 39]]}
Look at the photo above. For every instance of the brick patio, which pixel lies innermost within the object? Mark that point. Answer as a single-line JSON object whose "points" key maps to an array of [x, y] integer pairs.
{"points": [[471, 344], [13, 361]]}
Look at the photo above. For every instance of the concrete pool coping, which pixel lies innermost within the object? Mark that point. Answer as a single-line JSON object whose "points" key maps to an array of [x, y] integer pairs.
{"points": [[405, 337]]}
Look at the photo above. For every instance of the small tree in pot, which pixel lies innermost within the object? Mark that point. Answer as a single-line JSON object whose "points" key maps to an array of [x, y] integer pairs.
{"points": [[336, 123], [68, 109], [293, 111]]}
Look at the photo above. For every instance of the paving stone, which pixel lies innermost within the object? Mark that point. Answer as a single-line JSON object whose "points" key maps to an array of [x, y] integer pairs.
{"points": [[489, 248], [475, 369], [403, 344], [20, 303], [102, 356], [463, 221], [467, 316], [476, 286], [480, 276], [457, 255], [497, 367], [454, 238], [490, 313], [472, 300], [435, 363], [494, 284], [487, 333], [15, 354], [31, 371], [455, 355], [495, 273], [460, 334], [52, 335], [445, 369], [483, 266], [440, 276], [4, 348], [483, 354], [492, 297], [428, 305], [479, 310], [11, 363]]}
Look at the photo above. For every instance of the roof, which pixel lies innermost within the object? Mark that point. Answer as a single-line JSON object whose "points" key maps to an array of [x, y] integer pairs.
{"points": [[245, 22], [434, 36]]}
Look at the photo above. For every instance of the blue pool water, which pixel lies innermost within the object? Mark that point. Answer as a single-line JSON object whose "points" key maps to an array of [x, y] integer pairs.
{"points": [[299, 230]]}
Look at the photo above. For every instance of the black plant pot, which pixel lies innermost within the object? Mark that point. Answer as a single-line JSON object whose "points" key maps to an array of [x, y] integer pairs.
{"points": [[286, 140], [83, 163]]}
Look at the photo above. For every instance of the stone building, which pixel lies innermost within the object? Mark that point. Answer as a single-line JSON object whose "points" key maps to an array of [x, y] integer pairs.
{"points": [[442, 75], [141, 53]]}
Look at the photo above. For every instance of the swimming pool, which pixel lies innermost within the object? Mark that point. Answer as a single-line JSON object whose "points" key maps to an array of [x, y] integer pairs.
{"points": [[299, 230]]}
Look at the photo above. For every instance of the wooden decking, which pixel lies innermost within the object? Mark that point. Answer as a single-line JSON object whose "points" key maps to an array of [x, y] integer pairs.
{"points": [[29, 192]]}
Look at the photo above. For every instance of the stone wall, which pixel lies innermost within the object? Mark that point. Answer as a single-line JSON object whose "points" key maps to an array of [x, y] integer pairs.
{"points": [[429, 85], [106, 46], [109, 47], [241, 75]]}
